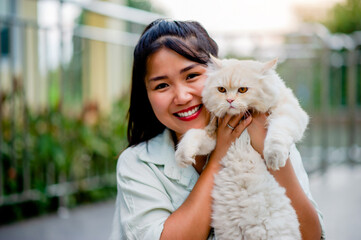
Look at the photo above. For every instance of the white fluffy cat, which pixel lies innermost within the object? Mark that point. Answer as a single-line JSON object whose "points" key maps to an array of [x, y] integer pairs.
{"points": [[248, 201]]}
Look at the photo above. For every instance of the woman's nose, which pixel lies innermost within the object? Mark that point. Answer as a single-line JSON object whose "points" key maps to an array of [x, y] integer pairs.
{"points": [[182, 95]]}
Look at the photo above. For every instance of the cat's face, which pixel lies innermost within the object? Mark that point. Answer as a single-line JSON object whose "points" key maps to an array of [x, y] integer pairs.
{"points": [[234, 86]]}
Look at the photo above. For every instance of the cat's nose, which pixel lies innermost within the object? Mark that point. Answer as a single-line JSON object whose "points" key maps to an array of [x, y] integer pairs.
{"points": [[230, 100]]}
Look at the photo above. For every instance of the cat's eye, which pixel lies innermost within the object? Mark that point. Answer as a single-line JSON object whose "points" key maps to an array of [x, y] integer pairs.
{"points": [[243, 89], [222, 89]]}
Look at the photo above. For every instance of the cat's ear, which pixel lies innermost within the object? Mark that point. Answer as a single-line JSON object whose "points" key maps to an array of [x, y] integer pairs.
{"points": [[269, 65], [215, 63]]}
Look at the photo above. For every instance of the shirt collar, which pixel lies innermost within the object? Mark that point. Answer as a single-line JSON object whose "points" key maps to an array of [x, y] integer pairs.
{"points": [[160, 151]]}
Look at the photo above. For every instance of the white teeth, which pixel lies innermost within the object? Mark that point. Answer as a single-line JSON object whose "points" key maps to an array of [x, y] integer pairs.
{"points": [[189, 113]]}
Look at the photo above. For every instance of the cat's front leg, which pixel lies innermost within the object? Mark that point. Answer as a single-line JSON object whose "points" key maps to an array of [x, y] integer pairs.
{"points": [[276, 149], [194, 142]]}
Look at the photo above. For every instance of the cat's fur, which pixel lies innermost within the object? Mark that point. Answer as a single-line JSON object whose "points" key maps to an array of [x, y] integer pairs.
{"points": [[248, 201]]}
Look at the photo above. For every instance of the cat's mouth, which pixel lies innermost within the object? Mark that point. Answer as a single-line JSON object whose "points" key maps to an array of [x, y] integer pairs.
{"points": [[189, 113]]}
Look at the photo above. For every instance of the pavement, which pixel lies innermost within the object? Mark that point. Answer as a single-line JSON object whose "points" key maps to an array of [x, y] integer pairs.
{"points": [[87, 222], [337, 192]]}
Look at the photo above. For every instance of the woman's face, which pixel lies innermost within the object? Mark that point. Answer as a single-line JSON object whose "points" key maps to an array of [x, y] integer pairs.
{"points": [[174, 86]]}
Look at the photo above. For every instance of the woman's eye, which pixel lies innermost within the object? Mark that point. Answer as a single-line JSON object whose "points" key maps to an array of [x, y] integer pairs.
{"points": [[222, 89], [243, 89], [160, 86], [192, 75]]}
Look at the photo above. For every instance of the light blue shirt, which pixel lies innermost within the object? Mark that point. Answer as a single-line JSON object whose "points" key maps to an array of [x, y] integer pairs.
{"points": [[151, 186]]}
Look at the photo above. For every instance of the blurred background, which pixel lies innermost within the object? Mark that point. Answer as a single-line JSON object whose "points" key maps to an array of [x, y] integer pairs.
{"points": [[65, 69]]}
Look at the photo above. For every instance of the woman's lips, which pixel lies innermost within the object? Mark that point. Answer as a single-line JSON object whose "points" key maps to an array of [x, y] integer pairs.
{"points": [[189, 113]]}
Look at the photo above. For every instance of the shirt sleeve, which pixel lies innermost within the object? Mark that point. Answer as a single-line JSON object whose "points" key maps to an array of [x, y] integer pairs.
{"points": [[142, 202], [302, 176]]}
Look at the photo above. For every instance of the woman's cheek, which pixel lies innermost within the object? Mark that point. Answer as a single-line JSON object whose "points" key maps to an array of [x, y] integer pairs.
{"points": [[160, 104], [201, 82]]}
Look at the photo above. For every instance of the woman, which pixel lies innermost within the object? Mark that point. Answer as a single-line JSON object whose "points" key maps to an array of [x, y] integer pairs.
{"points": [[157, 199]]}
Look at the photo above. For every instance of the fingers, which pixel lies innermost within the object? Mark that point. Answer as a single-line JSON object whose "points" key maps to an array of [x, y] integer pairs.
{"points": [[235, 124], [242, 125], [228, 123], [234, 121], [229, 129], [223, 121]]}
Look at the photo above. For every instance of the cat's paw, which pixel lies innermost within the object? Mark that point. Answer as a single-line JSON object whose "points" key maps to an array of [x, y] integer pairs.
{"points": [[194, 142], [275, 157], [183, 159], [186, 151]]}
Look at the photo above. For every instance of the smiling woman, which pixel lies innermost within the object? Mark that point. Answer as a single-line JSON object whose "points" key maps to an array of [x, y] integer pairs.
{"points": [[157, 199], [187, 41]]}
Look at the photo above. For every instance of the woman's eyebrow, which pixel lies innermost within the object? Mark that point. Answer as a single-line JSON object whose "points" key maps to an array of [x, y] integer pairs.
{"points": [[157, 78], [189, 67]]}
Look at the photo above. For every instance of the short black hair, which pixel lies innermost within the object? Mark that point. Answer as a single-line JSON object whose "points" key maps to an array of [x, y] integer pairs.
{"points": [[187, 38]]}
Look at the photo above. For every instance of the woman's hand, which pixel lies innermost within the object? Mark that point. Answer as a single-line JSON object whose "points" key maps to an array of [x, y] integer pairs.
{"points": [[257, 131], [229, 129], [256, 126]]}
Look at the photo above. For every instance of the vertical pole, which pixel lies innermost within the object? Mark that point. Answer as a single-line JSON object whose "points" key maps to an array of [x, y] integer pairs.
{"points": [[1, 127], [351, 102], [51, 166], [61, 58], [325, 78], [12, 55], [26, 161], [63, 173]]}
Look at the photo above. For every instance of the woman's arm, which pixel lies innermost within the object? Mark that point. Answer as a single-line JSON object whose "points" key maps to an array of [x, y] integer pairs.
{"points": [[309, 222], [192, 219]]}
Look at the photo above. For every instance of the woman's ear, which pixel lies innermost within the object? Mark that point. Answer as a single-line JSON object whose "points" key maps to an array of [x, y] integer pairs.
{"points": [[269, 65]]}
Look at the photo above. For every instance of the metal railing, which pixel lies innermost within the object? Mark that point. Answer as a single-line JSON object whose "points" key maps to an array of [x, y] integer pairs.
{"points": [[56, 82]]}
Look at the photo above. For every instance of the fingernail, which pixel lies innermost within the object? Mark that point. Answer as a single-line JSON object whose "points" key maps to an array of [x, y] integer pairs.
{"points": [[248, 118], [246, 115]]}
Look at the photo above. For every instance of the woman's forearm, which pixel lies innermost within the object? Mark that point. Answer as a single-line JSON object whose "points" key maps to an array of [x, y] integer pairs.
{"points": [[192, 219], [309, 222]]}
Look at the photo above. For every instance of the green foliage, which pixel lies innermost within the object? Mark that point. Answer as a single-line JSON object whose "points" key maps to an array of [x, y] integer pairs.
{"points": [[140, 4], [145, 5], [45, 148], [345, 17]]}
